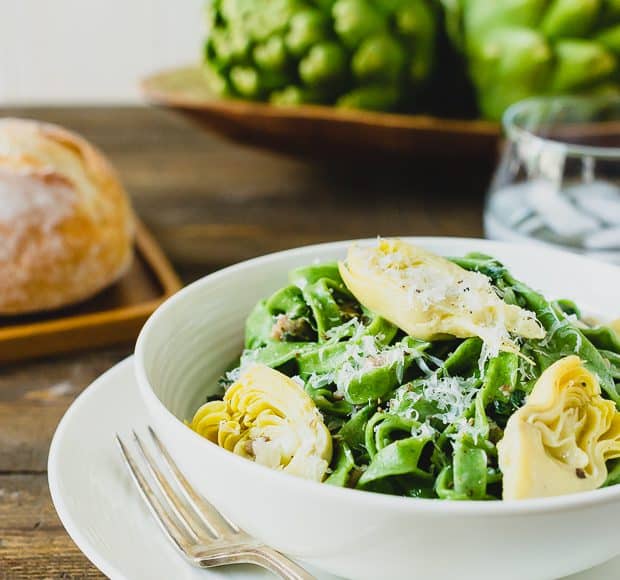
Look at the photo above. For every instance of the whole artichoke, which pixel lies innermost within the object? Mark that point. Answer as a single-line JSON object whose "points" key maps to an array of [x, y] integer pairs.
{"points": [[371, 54], [522, 48]]}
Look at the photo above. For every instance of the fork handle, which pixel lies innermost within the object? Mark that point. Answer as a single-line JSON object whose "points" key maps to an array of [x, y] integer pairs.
{"points": [[279, 564]]}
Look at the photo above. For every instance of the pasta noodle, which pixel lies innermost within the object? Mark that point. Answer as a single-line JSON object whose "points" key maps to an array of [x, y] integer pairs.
{"points": [[430, 377]]}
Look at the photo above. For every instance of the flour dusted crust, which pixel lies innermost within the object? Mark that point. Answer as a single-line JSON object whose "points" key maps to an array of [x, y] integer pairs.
{"points": [[66, 226]]}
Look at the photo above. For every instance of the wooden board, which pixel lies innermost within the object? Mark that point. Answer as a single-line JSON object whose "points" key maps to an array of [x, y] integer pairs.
{"points": [[320, 131], [114, 316]]}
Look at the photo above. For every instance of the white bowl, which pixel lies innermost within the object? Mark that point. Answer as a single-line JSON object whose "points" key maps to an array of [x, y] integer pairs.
{"points": [[191, 339]]}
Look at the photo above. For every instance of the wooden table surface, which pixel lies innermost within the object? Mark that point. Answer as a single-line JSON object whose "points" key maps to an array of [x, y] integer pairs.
{"points": [[209, 203]]}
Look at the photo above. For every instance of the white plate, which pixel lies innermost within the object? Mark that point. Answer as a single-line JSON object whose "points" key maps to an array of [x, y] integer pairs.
{"points": [[100, 507], [95, 498]]}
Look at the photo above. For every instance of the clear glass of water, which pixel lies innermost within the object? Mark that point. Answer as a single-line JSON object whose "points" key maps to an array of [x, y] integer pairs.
{"points": [[558, 180]]}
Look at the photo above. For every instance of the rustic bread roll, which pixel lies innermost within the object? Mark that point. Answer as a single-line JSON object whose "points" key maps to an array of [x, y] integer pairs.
{"points": [[66, 228]]}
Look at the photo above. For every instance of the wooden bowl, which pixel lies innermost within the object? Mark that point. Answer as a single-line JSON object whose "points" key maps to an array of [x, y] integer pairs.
{"points": [[320, 131]]}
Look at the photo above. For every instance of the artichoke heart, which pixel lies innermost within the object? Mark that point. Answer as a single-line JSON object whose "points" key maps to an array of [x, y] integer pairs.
{"points": [[559, 441], [267, 417], [430, 297]]}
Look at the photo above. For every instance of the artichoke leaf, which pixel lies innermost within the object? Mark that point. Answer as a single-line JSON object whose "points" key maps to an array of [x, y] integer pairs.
{"points": [[267, 417], [560, 440], [429, 297], [570, 18], [580, 64]]}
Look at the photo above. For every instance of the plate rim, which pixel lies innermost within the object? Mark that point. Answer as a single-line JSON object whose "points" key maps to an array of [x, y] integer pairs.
{"points": [[69, 524]]}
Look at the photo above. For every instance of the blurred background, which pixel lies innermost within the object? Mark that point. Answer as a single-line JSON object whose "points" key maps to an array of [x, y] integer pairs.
{"points": [[444, 71], [71, 51]]}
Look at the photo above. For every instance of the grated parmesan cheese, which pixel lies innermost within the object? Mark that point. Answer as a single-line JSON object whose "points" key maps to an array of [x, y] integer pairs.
{"points": [[428, 297], [366, 354], [452, 396]]}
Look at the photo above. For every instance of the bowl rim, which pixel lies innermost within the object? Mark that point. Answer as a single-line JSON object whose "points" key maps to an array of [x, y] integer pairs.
{"points": [[498, 508]]}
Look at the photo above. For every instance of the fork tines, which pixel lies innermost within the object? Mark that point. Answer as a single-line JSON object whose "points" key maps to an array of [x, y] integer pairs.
{"points": [[204, 536], [186, 517]]}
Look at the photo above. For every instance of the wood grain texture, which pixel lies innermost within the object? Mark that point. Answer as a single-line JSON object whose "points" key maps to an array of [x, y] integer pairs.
{"points": [[209, 203], [33, 398], [33, 543]]}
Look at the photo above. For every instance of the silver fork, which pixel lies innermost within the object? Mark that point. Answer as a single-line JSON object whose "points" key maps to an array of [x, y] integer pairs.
{"points": [[203, 535]]}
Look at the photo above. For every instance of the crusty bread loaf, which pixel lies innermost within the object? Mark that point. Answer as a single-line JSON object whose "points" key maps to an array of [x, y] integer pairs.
{"points": [[66, 227]]}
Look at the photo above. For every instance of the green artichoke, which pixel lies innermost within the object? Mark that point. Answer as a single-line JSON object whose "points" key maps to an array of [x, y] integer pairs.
{"points": [[371, 54], [521, 48]]}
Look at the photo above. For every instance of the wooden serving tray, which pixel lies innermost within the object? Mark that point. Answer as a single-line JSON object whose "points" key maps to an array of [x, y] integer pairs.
{"points": [[320, 131], [114, 316]]}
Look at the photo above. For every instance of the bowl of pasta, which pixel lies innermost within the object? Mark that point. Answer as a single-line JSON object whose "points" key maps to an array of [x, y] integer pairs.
{"points": [[428, 407]]}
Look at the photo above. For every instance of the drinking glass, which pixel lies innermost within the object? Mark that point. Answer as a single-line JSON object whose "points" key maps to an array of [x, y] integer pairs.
{"points": [[558, 179]]}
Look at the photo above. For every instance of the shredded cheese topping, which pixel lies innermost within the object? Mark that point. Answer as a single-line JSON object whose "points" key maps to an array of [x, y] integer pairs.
{"points": [[430, 297], [452, 396]]}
